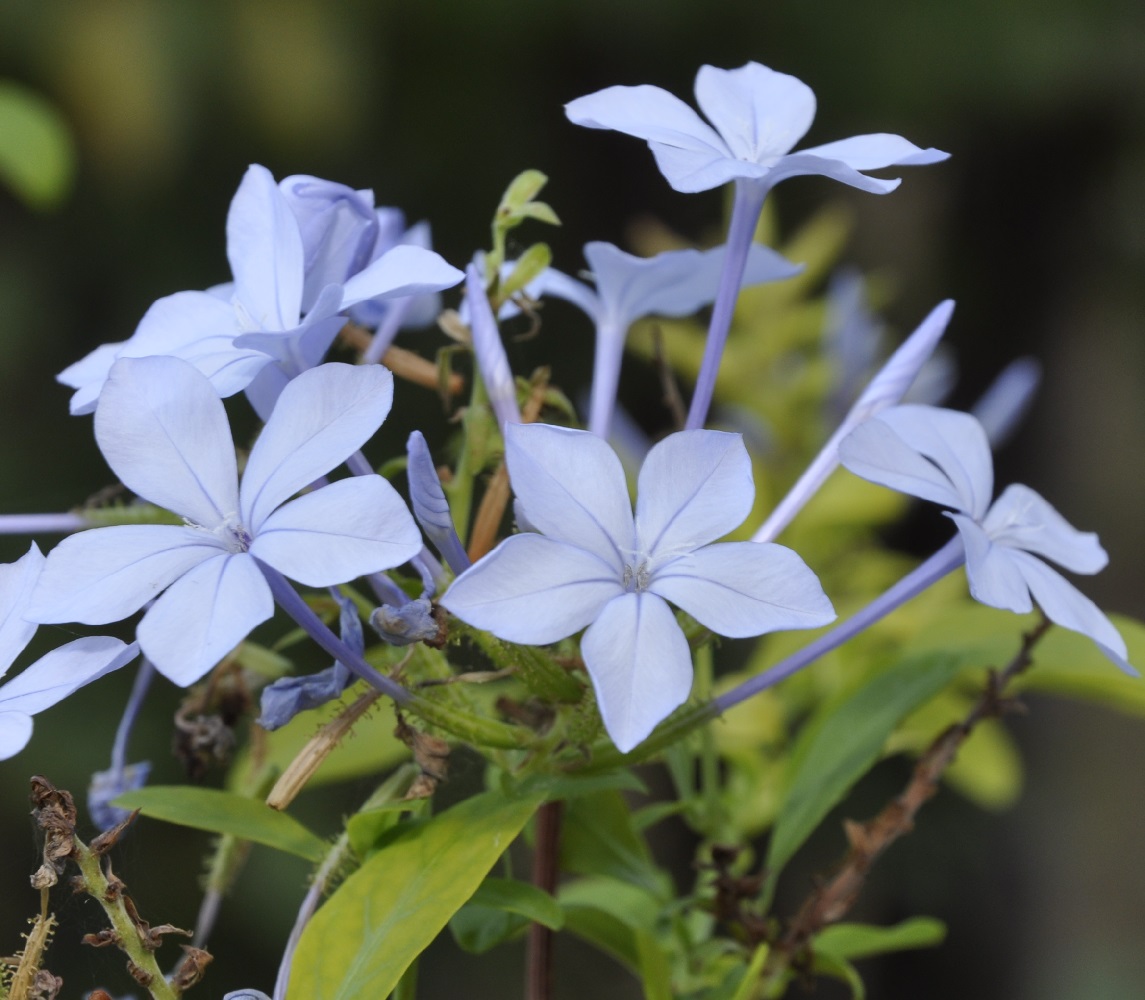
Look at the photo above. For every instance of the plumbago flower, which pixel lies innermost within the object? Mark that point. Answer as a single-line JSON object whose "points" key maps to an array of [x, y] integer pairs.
{"points": [[163, 430], [944, 456], [759, 115], [53, 677], [628, 288], [273, 321], [590, 563]]}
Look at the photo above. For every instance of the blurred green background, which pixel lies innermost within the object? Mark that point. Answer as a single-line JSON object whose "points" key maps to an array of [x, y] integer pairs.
{"points": [[1036, 226]]}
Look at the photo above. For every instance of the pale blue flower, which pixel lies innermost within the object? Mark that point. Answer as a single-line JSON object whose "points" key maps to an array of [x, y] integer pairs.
{"points": [[52, 677], [261, 327], [944, 456], [163, 430], [594, 565], [759, 115], [628, 288], [489, 351]]}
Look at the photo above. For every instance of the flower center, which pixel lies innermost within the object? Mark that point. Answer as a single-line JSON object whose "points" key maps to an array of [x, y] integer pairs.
{"points": [[636, 578], [231, 533]]}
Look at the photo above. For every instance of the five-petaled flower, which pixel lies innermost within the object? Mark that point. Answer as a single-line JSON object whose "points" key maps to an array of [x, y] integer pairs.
{"points": [[759, 115], [590, 563], [163, 430], [944, 456]]}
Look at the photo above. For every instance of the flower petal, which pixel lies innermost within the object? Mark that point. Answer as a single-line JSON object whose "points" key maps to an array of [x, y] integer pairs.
{"points": [[803, 164], [744, 588], [692, 170], [571, 486], [648, 113], [322, 417], [17, 582], [1068, 607], [640, 665], [87, 376], [204, 615], [430, 506], [405, 270], [57, 674], [15, 731], [1022, 519], [939, 455], [164, 432], [492, 362], [264, 247], [875, 151], [532, 589], [991, 571], [759, 113], [694, 487], [339, 532], [105, 574]]}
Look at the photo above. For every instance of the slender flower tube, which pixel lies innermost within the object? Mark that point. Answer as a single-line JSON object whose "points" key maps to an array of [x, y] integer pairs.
{"points": [[885, 389], [490, 352]]}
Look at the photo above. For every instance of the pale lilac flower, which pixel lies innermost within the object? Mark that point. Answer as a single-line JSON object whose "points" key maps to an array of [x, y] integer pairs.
{"points": [[944, 456], [255, 327], [758, 115], [430, 507], [492, 362], [52, 677], [628, 288], [594, 565], [163, 430]]}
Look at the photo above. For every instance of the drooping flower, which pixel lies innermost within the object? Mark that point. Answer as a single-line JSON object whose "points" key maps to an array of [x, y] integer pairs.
{"points": [[758, 116], [944, 456], [593, 564], [52, 677], [261, 326], [164, 432]]}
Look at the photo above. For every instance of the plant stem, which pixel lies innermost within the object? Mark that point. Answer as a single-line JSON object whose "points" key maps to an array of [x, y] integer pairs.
{"points": [[539, 957]]}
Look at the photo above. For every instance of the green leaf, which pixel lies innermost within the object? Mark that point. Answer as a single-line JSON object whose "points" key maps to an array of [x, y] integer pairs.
{"points": [[851, 941], [610, 914], [845, 741], [37, 156], [826, 964], [751, 975], [521, 898], [386, 913], [599, 838], [225, 812], [541, 211], [499, 909], [527, 267], [522, 189], [365, 829]]}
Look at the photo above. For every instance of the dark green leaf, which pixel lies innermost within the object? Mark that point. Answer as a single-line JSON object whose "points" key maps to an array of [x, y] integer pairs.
{"points": [[598, 838], [851, 941]]}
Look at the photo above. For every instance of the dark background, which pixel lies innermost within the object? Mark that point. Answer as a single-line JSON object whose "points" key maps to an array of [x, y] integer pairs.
{"points": [[1036, 226]]}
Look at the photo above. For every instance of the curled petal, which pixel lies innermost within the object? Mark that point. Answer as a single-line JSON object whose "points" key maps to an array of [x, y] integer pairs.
{"points": [[804, 164], [759, 113], [532, 589], [991, 571], [87, 376], [694, 487], [430, 506], [204, 615], [875, 151], [322, 417], [640, 665], [1023, 519], [692, 170], [570, 485], [338, 533], [105, 574], [739, 589], [1068, 607], [648, 113], [164, 432], [938, 455]]}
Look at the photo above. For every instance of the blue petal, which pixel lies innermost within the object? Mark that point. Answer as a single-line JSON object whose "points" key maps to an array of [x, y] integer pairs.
{"points": [[1022, 519], [640, 665], [759, 113]]}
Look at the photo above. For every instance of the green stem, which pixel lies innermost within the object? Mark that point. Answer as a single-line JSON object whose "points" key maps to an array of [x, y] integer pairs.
{"points": [[96, 885], [459, 489]]}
